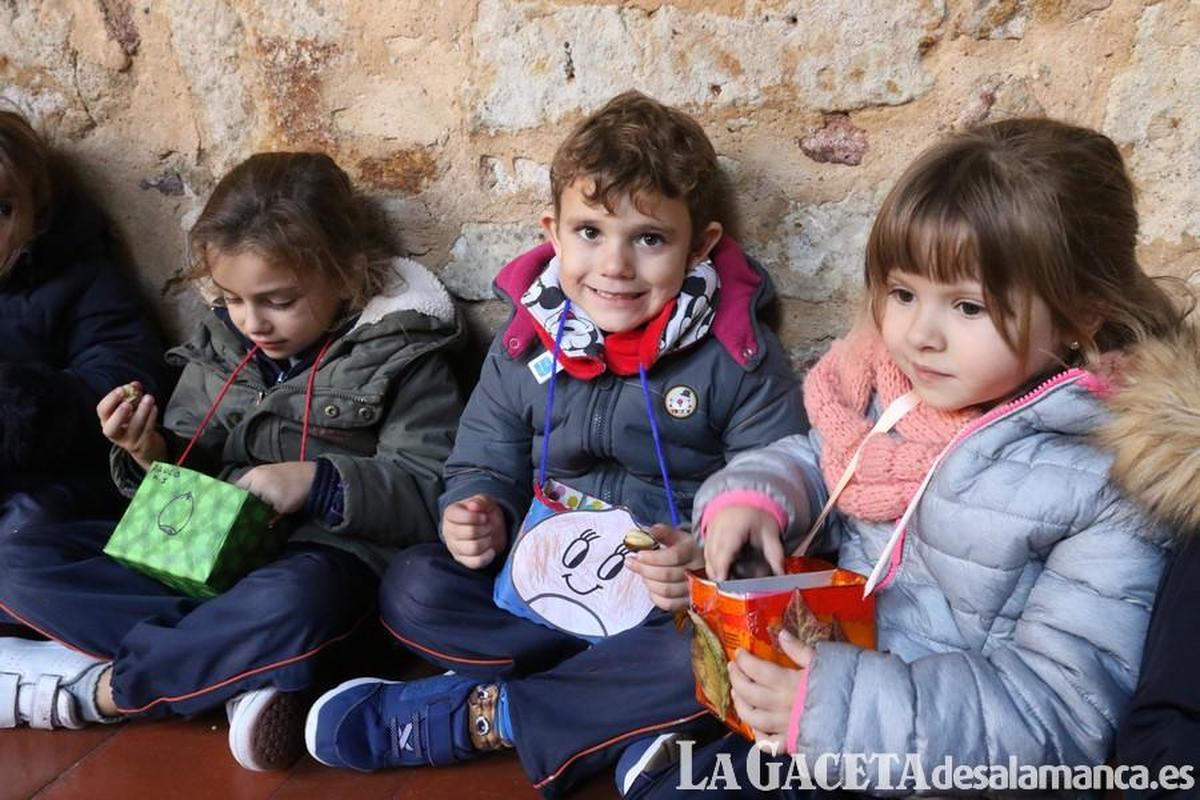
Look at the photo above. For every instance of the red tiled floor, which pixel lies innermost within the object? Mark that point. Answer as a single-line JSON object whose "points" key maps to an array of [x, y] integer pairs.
{"points": [[30, 760], [170, 759], [189, 759], [309, 779]]}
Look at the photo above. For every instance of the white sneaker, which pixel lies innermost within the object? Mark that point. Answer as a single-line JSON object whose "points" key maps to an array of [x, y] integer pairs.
{"points": [[266, 728], [43, 684]]}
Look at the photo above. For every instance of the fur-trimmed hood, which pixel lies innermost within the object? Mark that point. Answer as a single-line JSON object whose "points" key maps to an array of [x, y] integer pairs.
{"points": [[1154, 434], [412, 288], [414, 307]]}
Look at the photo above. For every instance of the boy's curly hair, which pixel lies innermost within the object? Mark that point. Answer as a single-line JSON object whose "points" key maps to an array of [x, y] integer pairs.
{"points": [[634, 145]]}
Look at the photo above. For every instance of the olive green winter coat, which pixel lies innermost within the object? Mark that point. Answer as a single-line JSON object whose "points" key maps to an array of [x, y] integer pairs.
{"points": [[385, 407]]}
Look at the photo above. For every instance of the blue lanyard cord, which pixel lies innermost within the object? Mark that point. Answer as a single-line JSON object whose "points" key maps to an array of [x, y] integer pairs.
{"points": [[562, 324], [662, 461]]}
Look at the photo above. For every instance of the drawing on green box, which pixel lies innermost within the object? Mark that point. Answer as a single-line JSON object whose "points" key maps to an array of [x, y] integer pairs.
{"points": [[176, 514]]}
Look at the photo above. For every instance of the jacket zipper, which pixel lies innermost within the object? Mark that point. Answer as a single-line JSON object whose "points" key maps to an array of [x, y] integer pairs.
{"points": [[896, 551], [600, 431], [1017, 404]]}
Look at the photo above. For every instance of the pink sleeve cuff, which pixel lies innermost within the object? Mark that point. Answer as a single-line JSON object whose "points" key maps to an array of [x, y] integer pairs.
{"points": [[744, 497], [792, 741]]}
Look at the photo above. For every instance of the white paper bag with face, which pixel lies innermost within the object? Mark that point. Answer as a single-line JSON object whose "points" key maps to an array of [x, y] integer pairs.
{"points": [[569, 569]]}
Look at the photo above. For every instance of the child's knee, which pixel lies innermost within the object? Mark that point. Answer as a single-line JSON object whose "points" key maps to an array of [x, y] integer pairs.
{"points": [[39, 547], [404, 599], [418, 588]]}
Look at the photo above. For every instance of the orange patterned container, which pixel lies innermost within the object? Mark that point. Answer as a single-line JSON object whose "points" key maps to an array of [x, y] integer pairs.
{"points": [[747, 615]]}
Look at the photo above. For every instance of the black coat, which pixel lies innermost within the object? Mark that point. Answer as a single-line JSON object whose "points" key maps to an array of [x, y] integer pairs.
{"points": [[71, 329], [1162, 726]]}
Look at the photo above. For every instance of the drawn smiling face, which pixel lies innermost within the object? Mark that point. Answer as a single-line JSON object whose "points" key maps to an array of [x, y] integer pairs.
{"points": [[576, 557], [570, 569]]}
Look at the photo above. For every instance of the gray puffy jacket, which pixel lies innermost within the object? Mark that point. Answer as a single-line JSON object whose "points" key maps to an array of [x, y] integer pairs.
{"points": [[1014, 623]]}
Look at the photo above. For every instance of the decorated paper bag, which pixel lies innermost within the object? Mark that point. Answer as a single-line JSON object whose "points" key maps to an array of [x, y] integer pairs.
{"points": [[566, 568], [814, 600], [194, 533]]}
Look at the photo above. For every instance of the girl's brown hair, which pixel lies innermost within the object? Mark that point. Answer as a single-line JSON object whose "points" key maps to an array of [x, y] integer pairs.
{"points": [[25, 160], [1029, 208], [297, 210]]}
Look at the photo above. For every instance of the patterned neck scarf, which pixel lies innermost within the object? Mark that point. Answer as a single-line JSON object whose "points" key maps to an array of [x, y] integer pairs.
{"points": [[583, 343]]}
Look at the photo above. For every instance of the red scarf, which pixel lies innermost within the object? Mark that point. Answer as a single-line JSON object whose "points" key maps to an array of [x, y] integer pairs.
{"points": [[622, 351]]}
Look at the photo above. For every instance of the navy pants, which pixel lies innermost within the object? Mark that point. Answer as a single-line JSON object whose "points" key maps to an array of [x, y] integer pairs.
{"points": [[172, 653], [573, 707], [53, 502], [25, 501], [23, 508]]}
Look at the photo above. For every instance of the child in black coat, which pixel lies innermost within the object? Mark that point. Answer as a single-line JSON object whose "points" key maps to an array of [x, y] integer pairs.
{"points": [[71, 328]]}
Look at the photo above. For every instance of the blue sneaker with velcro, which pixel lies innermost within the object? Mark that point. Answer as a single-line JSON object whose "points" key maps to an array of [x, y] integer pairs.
{"points": [[370, 723]]}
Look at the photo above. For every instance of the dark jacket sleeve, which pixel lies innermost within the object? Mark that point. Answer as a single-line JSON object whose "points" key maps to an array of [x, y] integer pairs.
{"points": [[391, 497], [492, 452], [110, 341], [768, 405], [50, 409], [1162, 725]]}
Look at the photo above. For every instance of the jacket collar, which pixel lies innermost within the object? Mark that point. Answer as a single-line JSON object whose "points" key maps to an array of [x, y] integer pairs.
{"points": [[413, 288], [745, 288], [274, 370], [414, 305]]}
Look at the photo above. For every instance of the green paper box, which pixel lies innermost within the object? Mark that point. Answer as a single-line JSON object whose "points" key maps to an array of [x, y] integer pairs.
{"points": [[194, 533]]}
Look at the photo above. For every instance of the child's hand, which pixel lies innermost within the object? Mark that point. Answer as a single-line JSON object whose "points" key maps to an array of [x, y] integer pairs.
{"points": [[664, 570], [284, 487], [730, 529], [130, 422], [763, 692], [474, 531]]}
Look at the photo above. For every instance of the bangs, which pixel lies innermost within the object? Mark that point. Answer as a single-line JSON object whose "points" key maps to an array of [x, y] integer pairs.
{"points": [[1034, 210], [608, 190], [937, 243], [927, 231]]}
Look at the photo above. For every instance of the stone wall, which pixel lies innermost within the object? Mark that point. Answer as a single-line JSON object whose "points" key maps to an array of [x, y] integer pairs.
{"points": [[450, 112]]}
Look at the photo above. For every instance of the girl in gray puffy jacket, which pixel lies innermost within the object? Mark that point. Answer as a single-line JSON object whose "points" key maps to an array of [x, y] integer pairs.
{"points": [[1014, 580]]}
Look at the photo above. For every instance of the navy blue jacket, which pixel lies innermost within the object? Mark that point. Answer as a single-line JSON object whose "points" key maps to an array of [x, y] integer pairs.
{"points": [[745, 396], [71, 329]]}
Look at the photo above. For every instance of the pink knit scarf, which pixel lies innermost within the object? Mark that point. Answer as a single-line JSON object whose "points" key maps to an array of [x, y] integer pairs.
{"points": [[837, 393]]}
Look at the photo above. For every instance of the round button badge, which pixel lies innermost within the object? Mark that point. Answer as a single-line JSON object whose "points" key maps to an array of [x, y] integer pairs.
{"points": [[681, 402]]}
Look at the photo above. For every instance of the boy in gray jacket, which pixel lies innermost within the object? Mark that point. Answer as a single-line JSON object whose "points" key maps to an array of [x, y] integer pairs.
{"points": [[652, 314]]}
